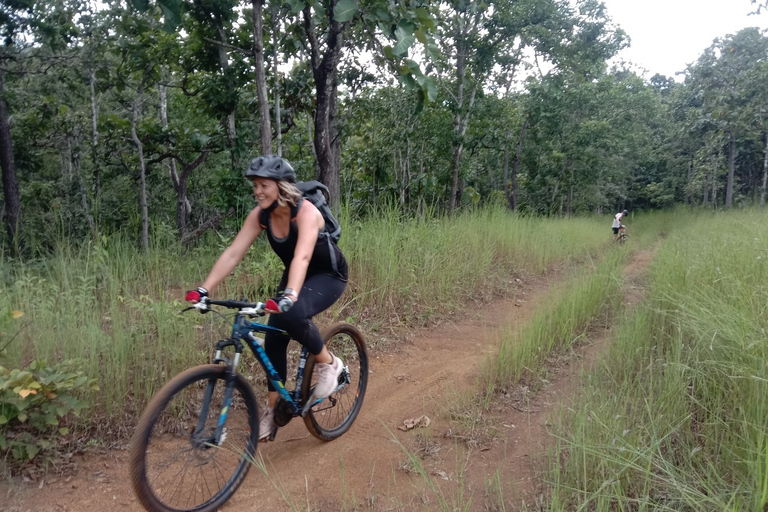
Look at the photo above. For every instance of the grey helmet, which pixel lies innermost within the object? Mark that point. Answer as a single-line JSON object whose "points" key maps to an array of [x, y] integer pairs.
{"points": [[625, 212], [271, 166]]}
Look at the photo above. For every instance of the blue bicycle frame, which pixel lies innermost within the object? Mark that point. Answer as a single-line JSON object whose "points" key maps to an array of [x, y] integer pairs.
{"points": [[244, 329]]}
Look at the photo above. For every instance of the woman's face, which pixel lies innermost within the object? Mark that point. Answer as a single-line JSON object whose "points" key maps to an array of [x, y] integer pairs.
{"points": [[265, 190]]}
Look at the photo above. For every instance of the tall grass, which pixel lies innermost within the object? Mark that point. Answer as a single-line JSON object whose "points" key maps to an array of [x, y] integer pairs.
{"points": [[410, 268], [116, 307], [565, 317], [677, 417]]}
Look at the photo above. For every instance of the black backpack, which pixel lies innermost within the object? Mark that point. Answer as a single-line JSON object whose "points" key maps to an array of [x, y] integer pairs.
{"points": [[316, 193]]}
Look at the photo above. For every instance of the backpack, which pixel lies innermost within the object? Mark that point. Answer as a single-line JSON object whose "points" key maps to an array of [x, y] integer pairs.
{"points": [[316, 193]]}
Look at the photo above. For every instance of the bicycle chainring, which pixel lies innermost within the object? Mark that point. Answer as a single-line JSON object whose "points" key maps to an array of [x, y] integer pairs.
{"points": [[283, 413]]}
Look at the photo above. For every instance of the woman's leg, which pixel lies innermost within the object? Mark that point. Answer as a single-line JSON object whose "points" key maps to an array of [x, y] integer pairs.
{"points": [[318, 293]]}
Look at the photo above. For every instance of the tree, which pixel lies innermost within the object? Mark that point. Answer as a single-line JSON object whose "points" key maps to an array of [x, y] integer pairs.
{"points": [[718, 77], [14, 18]]}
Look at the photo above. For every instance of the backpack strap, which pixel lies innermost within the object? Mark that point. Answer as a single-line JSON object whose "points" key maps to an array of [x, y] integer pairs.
{"points": [[295, 209], [263, 219], [263, 214]]}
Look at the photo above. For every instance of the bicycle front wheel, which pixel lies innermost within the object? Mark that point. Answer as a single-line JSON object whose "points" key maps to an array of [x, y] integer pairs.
{"points": [[333, 416], [177, 461]]}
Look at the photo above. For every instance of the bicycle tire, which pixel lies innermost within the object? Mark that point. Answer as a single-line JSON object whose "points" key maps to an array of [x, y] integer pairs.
{"points": [[333, 416], [169, 419]]}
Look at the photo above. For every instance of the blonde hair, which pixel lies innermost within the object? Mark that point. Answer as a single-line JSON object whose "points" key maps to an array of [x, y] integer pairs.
{"points": [[288, 194]]}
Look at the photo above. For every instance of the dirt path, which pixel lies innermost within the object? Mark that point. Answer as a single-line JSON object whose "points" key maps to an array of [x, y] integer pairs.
{"points": [[480, 461]]}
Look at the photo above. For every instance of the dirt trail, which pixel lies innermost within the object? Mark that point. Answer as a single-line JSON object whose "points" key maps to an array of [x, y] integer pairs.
{"points": [[366, 469]]}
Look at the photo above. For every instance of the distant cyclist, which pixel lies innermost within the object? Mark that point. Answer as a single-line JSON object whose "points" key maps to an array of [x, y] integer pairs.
{"points": [[314, 278], [617, 223]]}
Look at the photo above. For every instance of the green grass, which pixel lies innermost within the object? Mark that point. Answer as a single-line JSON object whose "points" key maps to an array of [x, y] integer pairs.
{"points": [[413, 268], [563, 319], [116, 307], [677, 416]]}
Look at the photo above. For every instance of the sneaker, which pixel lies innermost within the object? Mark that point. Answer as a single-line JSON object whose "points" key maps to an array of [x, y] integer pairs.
{"points": [[267, 425], [327, 377]]}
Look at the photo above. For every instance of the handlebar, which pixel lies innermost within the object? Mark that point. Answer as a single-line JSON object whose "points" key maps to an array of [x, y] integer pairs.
{"points": [[246, 308]]}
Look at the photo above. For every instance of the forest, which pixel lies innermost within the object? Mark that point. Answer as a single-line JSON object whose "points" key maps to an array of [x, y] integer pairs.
{"points": [[140, 117], [474, 152]]}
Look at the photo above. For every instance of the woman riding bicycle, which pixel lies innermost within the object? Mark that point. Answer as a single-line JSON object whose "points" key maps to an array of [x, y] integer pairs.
{"points": [[314, 278], [617, 224]]}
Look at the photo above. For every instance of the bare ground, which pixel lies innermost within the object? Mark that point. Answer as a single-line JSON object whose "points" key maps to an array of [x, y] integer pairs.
{"points": [[476, 461]]}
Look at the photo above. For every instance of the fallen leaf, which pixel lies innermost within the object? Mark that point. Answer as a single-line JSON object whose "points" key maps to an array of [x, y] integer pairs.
{"points": [[410, 423]]}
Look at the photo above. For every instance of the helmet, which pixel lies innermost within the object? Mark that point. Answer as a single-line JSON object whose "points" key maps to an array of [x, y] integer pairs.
{"points": [[270, 166], [625, 212]]}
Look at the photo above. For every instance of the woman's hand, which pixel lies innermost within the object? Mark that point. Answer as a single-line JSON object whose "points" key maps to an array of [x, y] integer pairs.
{"points": [[280, 304]]}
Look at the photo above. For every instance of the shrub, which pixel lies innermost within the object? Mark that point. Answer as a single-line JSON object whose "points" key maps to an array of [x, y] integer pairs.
{"points": [[34, 404]]}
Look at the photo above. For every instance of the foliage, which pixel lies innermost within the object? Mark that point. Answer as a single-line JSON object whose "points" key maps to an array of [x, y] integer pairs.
{"points": [[35, 403], [181, 74]]}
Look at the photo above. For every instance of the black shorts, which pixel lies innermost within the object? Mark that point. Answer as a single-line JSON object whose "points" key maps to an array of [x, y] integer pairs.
{"points": [[615, 231]]}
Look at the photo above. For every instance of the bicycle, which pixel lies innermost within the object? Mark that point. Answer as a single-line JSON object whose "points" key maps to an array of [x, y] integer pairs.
{"points": [[622, 234], [197, 437]]}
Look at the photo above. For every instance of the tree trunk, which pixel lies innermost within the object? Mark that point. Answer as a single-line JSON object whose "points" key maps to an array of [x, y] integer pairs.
{"points": [[142, 171], [333, 130], [765, 169], [408, 172], [311, 138], [400, 174], [557, 184], [11, 193], [460, 122], [95, 150], [324, 70], [261, 81], [66, 161], [731, 170], [78, 174], [505, 182], [688, 197], [278, 121], [516, 165], [230, 119], [183, 207], [714, 183]]}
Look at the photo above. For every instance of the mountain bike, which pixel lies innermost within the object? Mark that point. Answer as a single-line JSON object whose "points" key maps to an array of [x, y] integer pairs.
{"points": [[622, 234], [197, 437]]}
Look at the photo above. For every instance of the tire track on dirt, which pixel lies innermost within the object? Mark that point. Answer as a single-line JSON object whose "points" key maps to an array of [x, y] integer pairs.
{"points": [[530, 437]]}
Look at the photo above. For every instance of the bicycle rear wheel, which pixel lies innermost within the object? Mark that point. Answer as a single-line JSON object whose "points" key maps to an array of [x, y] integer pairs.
{"points": [[333, 416], [176, 464]]}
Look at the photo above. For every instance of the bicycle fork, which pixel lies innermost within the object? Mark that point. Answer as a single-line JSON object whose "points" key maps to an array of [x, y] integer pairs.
{"points": [[220, 432]]}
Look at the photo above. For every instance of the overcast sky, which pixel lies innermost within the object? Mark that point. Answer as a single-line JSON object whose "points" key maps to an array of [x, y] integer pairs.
{"points": [[669, 34]]}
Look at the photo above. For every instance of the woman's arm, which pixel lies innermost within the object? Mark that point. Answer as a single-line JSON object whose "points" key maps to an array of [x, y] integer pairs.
{"points": [[309, 222], [234, 254]]}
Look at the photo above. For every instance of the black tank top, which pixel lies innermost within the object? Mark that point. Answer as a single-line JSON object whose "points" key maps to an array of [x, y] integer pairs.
{"points": [[327, 258]]}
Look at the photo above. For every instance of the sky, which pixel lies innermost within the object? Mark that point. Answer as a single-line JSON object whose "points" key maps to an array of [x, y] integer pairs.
{"points": [[666, 35]]}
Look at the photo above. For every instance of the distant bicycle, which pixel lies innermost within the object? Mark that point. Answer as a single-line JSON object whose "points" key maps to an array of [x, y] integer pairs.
{"points": [[197, 438], [622, 234]]}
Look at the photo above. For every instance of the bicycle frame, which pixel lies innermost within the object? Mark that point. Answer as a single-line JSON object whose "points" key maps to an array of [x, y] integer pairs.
{"points": [[244, 329]]}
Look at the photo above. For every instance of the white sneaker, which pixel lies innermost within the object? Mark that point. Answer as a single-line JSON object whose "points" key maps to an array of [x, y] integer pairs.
{"points": [[267, 425], [327, 377]]}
